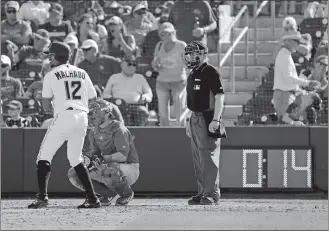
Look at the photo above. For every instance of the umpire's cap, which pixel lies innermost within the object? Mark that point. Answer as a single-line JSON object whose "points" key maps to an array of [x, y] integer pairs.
{"points": [[61, 51]]}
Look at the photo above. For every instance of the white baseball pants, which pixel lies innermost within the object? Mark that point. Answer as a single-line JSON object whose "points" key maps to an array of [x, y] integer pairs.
{"points": [[70, 126]]}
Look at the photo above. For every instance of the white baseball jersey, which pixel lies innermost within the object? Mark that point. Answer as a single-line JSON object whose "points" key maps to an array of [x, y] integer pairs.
{"points": [[68, 86]]}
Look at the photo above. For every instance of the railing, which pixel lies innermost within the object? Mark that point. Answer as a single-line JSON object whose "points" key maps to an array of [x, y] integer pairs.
{"points": [[244, 11]]}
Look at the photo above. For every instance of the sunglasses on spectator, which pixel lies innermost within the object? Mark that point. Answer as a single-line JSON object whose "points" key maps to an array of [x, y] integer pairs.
{"points": [[11, 11], [4, 65], [141, 12], [165, 33], [134, 64], [86, 49], [323, 64]]}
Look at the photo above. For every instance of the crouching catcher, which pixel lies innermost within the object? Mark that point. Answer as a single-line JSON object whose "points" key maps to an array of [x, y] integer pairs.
{"points": [[112, 160]]}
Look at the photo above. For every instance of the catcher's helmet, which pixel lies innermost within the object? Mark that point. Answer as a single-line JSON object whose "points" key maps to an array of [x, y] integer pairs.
{"points": [[193, 53], [61, 51]]}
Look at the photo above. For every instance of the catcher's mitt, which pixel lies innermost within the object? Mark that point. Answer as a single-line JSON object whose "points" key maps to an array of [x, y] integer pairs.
{"points": [[91, 161]]}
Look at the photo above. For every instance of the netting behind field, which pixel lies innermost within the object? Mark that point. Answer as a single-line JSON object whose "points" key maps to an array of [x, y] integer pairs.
{"points": [[260, 109]]}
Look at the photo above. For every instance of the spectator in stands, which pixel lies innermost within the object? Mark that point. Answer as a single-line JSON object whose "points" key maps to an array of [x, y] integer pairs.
{"points": [[11, 88], [171, 82], [303, 54], [151, 40], [35, 11], [322, 49], [139, 24], [73, 42], [100, 30], [316, 10], [98, 66], [288, 24], [119, 43], [86, 30], [198, 17], [286, 80], [319, 73], [15, 120], [164, 11], [133, 89], [13, 29], [303, 110], [30, 58], [34, 91], [57, 28]]}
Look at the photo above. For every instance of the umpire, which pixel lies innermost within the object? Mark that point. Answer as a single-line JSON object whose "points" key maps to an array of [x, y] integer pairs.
{"points": [[205, 99]]}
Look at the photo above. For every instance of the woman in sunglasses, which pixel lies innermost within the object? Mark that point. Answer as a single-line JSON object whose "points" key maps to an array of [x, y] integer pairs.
{"points": [[99, 29], [119, 43], [86, 29], [171, 82], [139, 23]]}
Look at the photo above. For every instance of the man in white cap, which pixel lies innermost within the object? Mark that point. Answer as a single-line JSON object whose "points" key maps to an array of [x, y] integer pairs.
{"points": [[98, 66], [286, 81], [11, 88], [13, 29]]}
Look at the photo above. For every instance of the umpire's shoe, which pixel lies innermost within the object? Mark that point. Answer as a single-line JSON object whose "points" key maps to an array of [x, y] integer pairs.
{"points": [[195, 200], [38, 203], [90, 205], [122, 201], [206, 200]]}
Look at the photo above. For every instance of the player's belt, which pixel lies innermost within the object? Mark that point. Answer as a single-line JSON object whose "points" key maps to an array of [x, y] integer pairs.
{"points": [[197, 113]]}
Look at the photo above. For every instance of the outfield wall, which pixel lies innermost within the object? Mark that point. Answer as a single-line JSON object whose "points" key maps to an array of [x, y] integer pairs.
{"points": [[165, 159]]}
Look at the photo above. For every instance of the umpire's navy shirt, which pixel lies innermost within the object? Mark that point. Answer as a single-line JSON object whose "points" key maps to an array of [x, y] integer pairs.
{"points": [[203, 81]]}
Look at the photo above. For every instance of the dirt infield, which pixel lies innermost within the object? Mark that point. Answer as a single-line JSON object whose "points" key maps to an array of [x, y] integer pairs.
{"points": [[258, 214]]}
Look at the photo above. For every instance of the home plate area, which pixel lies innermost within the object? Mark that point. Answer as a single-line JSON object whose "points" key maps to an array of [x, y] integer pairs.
{"points": [[166, 214]]}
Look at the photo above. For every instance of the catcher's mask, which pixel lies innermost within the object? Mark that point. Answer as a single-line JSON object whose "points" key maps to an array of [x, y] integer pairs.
{"points": [[193, 54], [97, 111]]}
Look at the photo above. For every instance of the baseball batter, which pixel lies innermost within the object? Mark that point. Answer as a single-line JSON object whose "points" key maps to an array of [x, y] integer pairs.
{"points": [[69, 89], [112, 149]]}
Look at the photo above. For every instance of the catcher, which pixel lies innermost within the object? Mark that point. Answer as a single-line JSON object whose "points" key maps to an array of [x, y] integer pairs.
{"points": [[112, 160]]}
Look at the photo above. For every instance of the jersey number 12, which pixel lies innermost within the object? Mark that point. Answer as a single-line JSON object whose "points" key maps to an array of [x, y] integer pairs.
{"points": [[75, 87]]}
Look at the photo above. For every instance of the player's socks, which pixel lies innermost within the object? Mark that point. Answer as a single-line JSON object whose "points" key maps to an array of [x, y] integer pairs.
{"points": [[83, 174], [43, 172]]}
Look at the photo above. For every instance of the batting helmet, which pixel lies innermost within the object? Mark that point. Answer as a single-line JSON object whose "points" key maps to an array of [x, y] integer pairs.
{"points": [[61, 51]]}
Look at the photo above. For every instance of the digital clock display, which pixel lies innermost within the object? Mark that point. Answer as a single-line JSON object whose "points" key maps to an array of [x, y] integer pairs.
{"points": [[266, 168]]}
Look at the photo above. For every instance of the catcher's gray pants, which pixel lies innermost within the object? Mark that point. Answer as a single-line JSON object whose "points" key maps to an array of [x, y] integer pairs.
{"points": [[205, 154], [129, 171]]}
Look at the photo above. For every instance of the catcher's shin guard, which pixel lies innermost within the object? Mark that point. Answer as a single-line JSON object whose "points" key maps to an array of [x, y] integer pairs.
{"points": [[125, 192], [103, 190]]}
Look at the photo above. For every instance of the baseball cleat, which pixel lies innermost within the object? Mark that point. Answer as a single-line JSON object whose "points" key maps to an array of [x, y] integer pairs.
{"points": [[208, 201], [106, 201], [90, 205], [195, 200], [122, 201], [38, 203]]}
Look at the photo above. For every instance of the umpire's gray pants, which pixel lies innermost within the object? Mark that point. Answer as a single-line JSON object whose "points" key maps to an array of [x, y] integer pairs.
{"points": [[205, 153]]}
